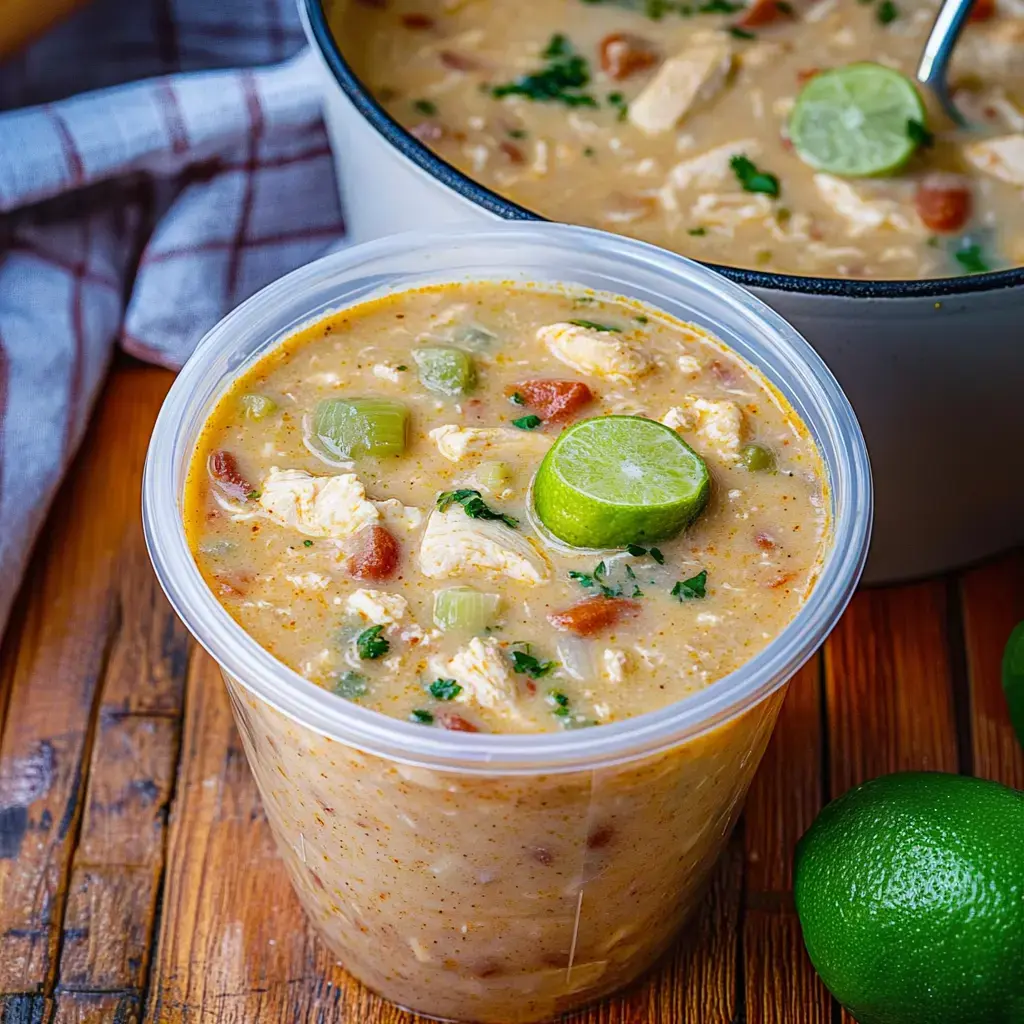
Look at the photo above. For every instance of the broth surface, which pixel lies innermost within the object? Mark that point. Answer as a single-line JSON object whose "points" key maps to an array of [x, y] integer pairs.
{"points": [[440, 68], [279, 535]]}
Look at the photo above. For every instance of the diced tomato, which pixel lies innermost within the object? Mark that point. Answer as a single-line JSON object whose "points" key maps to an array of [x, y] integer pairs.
{"points": [[418, 22], [806, 74], [512, 152], [455, 61], [453, 722], [594, 615], [375, 556], [764, 540], [624, 54], [223, 469], [763, 12], [982, 10], [943, 202], [600, 837], [553, 400], [781, 580]]}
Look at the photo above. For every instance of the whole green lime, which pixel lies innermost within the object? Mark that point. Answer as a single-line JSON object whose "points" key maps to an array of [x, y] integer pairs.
{"points": [[910, 891]]}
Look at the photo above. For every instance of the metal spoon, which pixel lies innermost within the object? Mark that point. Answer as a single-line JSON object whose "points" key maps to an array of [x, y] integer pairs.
{"points": [[938, 51]]}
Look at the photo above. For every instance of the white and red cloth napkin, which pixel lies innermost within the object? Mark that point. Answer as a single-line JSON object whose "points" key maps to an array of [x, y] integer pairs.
{"points": [[160, 161]]}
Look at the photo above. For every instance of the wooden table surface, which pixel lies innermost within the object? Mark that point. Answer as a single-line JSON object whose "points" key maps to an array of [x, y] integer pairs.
{"points": [[139, 881]]}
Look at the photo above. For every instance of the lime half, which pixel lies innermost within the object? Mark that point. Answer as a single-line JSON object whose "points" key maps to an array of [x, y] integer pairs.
{"points": [[854, 121], [617, 480]]}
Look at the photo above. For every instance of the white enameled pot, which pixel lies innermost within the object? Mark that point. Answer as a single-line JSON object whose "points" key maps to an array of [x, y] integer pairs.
{"points": [[934, 368]]}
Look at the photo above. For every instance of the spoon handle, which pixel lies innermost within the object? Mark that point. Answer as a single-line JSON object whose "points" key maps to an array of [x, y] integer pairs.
{"points": [[938, 51]]}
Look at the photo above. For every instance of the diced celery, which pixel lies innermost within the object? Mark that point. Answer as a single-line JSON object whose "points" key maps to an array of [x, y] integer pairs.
{"points": [[354, 427], [493, 477], [464, 609], [257, 407], [446, 370]]}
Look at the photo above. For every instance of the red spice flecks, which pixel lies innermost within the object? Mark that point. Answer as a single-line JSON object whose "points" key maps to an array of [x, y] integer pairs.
{"points": [[375, 556], [224, 472], [764, 540], [593, 616], [624, 54], [781, 580], [455, 61], [552, 400]]}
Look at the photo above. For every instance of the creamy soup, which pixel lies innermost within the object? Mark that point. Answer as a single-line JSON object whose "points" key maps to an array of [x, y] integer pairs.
{"points": [[671, 121], [367, 502], [420, 581]]}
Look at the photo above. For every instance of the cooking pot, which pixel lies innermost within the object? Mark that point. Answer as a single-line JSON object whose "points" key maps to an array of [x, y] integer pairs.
{"points": [[934, 368]]}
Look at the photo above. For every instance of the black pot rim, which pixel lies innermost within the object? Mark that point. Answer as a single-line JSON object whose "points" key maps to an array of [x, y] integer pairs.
{"points": [[463, 185]]}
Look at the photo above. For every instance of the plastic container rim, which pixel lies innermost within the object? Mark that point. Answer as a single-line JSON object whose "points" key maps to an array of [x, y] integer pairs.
{"points": [[310, 705]]}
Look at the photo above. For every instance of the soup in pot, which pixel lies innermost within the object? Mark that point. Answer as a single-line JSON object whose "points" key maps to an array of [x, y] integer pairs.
{"points": [[700, 126]]}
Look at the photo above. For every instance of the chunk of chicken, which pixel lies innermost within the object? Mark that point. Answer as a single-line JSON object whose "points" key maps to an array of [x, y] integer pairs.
{"points": [[485, 675], [862, 211], [712, 167], [597, 353], [991, 51], [717, 425], [455, 545], [615, 664], [692, 76], [456, 443], [318, 506], [377, 607], [1002, 157]]}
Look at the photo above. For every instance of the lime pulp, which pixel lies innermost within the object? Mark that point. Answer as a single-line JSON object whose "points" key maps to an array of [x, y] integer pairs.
{"points": [[854, 121], [616, 480]]}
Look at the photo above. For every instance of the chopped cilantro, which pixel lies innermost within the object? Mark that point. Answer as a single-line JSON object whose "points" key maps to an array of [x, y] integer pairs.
{"points": [[427, 107], [635, 550], [742, 33], [371, 645], [752, 179], [658, 556], [351, 685], [618, 101], [473, 505], [530, 422], [918, 134], [594, 326], [422, 716], [589, 151], [560, 703], [529, 665], [720, 7], [596, 579], [637, 592], [641, 319], [694, 587], [971, 258], [561, 81], [516, 399], [887, 12], [253, 496], [629, 571], [517, 133], [402, 368], [307, 543], [697, 232], [445, 689]]}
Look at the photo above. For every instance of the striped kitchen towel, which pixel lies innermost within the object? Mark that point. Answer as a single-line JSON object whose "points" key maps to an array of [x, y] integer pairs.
{"points": [[194, 171]]}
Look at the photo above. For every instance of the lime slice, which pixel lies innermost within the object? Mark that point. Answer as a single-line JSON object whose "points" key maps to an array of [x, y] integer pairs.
{"points": [[853, 121], [1013, 679], [617, 480]]}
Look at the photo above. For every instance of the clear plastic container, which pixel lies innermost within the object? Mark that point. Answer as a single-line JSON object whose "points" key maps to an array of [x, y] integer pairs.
{"points": [[503, 878]]}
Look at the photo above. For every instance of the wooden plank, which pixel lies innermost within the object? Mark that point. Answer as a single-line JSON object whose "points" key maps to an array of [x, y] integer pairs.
{"points": [[781, 986], [96, 1008], [992, 598], [889, 686], [81, 594], [25, 1008]]}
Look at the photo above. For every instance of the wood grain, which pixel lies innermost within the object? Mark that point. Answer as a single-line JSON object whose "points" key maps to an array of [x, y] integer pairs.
{"points": [[111, 724], [993, 603], [84, 785], [780, 984]]}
